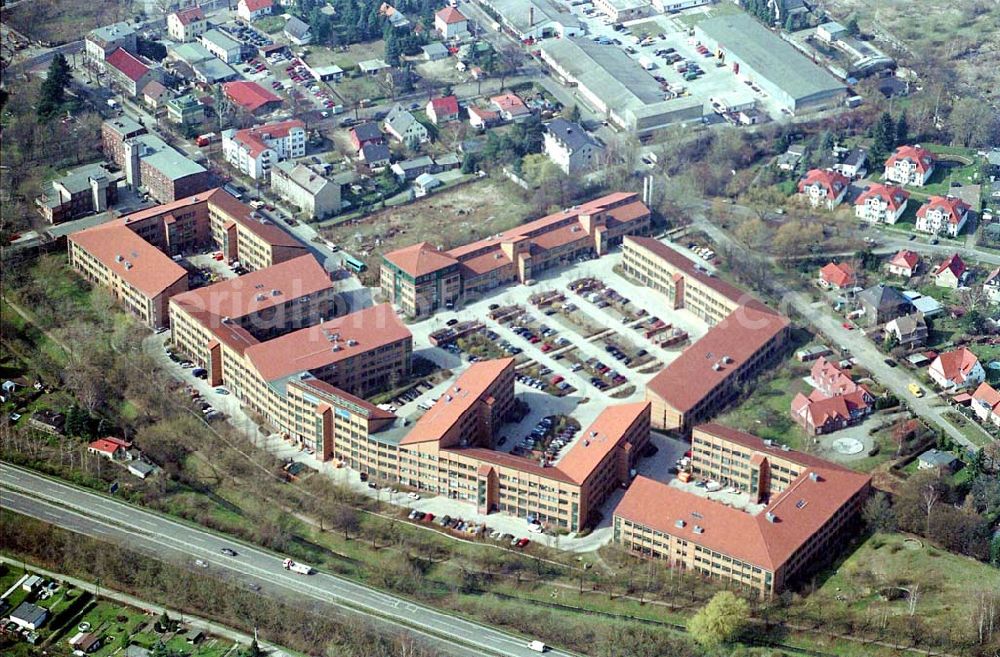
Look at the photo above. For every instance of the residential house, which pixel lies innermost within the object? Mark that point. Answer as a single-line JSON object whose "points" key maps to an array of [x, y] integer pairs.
{"points": [[906, 263], [882, 303], [510, 107], [102, 41], [424, 183], [85, 642], [482, 119], [570, 146], [837, 401], [986, 403], [185, 110], [790, 159], [127, 72], [366, 133], [837, 276], [297, 31], [306, 189], [28, 616], [450, 23], [956, 370], [251, 97], [853, 165], [934, 459], [942, 214], [186, 24], [402, 125], [442, 110], [251, 10], [154, 94], [395, 17], [152, 165], [909, 165], [807, 354], [991, 286], [376, 156], [910, 330], [881, 204], [435, 51], [407, 170], [824, 187], [110, 448], [222, 46], [254, 151], [950, 273]]}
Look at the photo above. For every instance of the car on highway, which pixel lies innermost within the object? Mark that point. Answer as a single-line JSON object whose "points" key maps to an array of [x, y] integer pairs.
{"points": [[229, 552]]}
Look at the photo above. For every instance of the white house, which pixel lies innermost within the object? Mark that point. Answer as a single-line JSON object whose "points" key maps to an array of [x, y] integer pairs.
{"points": [[254, 151], [222, 46], [442, 110], [306, 189], [570, 147], [28, 616], [881, 204], [251, 10], [186, 24], [905, 263], [957, 370], [909, 165], [986, 403], [824, 187], [404, 126], [451, 23], [942, 214], [991, 286]]}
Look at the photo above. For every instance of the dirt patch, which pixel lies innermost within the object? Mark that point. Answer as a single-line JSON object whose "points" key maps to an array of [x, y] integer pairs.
{"points": [[447, 219], [60, 21]]}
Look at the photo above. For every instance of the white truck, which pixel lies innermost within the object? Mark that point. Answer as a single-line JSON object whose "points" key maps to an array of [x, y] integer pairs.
{"points": [[537, 646], [647, 62], [300, 568]]}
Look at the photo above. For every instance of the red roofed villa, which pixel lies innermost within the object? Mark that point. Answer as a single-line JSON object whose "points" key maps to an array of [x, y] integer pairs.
{"points": [[906, 263], [837, 275], [442, 110], [942, 215], [950, 272], [824, 187], [127, 71], [881, 204], [450, 23], [909, 165], [957, 370]]}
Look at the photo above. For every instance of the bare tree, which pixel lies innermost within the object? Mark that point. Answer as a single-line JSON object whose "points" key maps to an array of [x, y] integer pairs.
{"points": [[508, 61], [930, 495]]}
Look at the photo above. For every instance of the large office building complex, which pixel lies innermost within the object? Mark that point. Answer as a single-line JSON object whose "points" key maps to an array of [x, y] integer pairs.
{"points": [[800, 508]]}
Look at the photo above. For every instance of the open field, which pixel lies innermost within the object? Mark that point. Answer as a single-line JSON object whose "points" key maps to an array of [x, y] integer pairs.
{"points": [[766, 413], [59, 21], [447, 218]]}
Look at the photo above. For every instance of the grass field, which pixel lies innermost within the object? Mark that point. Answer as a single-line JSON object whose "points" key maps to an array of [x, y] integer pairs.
{"points": [[59, 21], [766, 413]]}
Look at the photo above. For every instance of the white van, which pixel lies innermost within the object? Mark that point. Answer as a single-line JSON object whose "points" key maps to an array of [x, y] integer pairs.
{"points": [[537, 646]]}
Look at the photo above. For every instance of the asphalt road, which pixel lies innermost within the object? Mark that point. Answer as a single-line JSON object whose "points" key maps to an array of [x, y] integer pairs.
{"points": [[110, 520]]}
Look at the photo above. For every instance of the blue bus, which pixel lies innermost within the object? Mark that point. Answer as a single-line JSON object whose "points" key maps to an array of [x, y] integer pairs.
{"points": [[354, 264]]}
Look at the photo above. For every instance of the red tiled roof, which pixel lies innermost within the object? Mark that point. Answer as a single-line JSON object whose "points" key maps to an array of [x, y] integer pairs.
{"points": [[819, 410], [374, 412], [189, 15], [484, 114], [154, 89], [109, 445], [839, 275], [601, 437], [249, 95], [954, 264], [757, 444], [243, 214], [893, 197], [419, 259], [510, 103], [952, 207], [314, 347], [458, 400], [127, 64], [450, 15], [521, 463], [692, 376], [255, 139], [905, 258], [921, 157], [988, 395], [138, 262], [830, 379], [445, 106], [257, 5], [832, 181], [955, 365]]}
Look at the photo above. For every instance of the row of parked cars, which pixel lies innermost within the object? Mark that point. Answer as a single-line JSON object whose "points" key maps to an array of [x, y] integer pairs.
{"points": [[250, 36]]}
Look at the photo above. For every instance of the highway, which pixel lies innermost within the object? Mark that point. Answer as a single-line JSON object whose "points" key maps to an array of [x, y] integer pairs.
{"points": [[108, 519]]}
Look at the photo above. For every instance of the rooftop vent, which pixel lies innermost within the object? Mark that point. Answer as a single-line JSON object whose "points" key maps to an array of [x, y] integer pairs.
{"points": [[785, 448], [716, 367], [336, 347], [352, 343], [679, 524], [696, 514], [261, 297], [593, 434], [801, 504], [770, 517], [698, 529], [586, 443], [119, 258], [447, 398], [815, 476], [727, 360], [128, 265], [226, 320], [275, 293], [458, 389], [768, 442]]}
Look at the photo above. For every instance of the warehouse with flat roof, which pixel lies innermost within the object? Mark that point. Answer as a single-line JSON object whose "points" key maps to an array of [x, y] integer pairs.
{"points": [[761, 56], [616, 86]]}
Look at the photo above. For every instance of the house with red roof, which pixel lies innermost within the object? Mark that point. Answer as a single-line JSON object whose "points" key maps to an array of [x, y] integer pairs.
{"points": [[251, 10], [837, 401], [442, 110], [950, 272], [986, 403], [991, 286], [837, 275], [510, 107], [482, 119], [881, 204], [254, 151], [128, 72], [250, 96], [824, 187], [450, 23], [186, 24], [909, 165], [957, 370], [942, 214], [906, 263], [110, 448]]}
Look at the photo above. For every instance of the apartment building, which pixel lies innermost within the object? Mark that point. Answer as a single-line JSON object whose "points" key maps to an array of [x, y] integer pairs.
{"points": [[909, 165], [570, 147], [114, 133], [942, 215], [186, 24], [127, 72], [254, 151], [799, 530], [881, 204], [824, 187], [133, 271], [102, 41], [245, 236], [420, 279], [746, 335], [150, 163], [306, 189], [82, 191]]}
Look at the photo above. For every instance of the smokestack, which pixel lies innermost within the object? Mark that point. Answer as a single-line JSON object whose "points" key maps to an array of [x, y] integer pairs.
{"points": [[531, 16]]}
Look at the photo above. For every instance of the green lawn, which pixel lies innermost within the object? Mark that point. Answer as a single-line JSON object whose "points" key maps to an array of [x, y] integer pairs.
{"points": [[767, 412], [969, 428]]}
